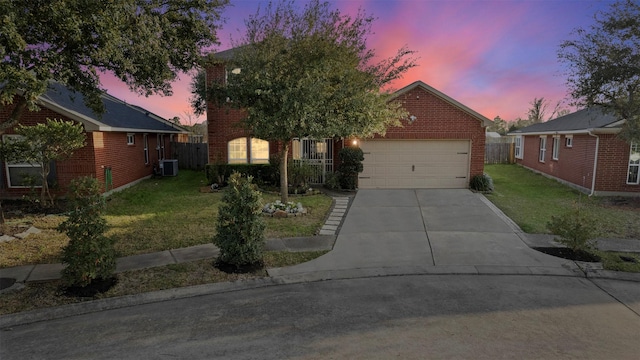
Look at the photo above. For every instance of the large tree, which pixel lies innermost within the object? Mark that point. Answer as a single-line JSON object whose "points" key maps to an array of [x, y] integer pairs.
{"points": [[604, 64], [145, 43], [310, 74]]}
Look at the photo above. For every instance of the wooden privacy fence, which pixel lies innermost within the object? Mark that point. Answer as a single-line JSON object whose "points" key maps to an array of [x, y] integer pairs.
{"points": [[193, 156], [499, 153]]}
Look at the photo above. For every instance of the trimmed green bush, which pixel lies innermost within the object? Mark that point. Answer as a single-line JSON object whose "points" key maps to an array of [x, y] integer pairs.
{"points": [[220, 173], [574, 229], [240, 227], [350, 165], [482, 183], [89, 255]]}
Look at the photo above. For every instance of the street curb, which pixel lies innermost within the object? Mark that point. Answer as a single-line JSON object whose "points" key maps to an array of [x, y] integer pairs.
{"points": [[569, 269]]}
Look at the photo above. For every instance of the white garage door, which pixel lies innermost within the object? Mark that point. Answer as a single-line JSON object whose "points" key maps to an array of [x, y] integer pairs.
{"points": [[430, 164]]}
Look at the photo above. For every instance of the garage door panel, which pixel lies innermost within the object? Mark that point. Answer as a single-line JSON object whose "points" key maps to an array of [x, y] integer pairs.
{"points": [[415, 164]]}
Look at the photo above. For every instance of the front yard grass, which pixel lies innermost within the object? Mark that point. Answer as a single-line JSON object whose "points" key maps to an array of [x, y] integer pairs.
{"points": [[531, 200], [156, 215]]}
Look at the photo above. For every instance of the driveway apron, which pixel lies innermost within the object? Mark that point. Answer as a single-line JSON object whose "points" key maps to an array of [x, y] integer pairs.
{"points": [[423, 228]]}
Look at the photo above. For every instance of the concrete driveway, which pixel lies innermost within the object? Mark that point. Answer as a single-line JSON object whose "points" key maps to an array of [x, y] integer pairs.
{"points": [[451, 231]]}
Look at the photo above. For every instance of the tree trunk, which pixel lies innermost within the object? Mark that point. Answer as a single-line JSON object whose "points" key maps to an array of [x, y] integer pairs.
{"points": [[45, 196], [284, 186]]}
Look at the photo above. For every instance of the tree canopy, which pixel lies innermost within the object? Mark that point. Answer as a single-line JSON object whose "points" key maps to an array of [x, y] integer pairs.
{"points": [[310, 74], [604, 64], [145, 43]]}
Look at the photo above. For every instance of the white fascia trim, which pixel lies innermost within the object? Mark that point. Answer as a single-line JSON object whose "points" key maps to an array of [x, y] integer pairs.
{"points": [[569, 132], [89, 123]]}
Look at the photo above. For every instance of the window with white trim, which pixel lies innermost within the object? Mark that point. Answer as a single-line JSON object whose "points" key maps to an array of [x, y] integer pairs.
{"points": [[248, 151], [568, 141], [160, 146], [556, 148], [259, 151], [145, 142], [131, 139], [22, 174], [518, 147], [633, 174], [238, 151], [543, 148]]}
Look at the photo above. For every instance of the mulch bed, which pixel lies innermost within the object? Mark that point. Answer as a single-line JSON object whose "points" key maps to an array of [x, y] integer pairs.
{"points": [[568, 254], [96, 286], [234, 269]]}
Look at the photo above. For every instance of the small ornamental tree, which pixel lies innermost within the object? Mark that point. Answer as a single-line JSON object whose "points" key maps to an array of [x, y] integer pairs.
{"points": [[43, 143], [574, 229], [89, 255], [240, 228]]}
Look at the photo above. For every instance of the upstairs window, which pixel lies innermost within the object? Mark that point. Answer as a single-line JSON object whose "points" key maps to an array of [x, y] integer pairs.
{"points": [[131, 139]]}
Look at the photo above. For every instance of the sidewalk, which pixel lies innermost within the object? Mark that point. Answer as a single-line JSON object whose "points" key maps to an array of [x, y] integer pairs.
{"points": [[322, 242]]}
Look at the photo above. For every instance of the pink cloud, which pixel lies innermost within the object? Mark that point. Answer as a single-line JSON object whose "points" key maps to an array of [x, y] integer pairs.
{"points": [[493, 56]]}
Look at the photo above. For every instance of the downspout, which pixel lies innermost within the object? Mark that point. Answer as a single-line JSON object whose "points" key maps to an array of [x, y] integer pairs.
{"points": [[595, 163]]}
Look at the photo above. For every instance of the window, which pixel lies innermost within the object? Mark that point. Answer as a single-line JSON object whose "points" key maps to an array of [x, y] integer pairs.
{"points": [[633, 175], [568, 141], [160, 146], [556, 145], [257, 149], [543, 148], [145, 140], [238, 151], [518, 147], [22, 174], [131, 139]]}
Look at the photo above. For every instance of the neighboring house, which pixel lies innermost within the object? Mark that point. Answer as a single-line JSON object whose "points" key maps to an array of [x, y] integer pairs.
{"points": [[583, 150], [441, 145], [123, 145]]}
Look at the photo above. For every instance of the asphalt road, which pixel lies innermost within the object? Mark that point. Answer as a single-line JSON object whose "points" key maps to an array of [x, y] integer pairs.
{"points": [[404, 317]]}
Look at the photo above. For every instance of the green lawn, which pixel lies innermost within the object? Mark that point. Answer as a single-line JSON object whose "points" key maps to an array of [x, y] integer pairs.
{"points": [[156, 215], [531, 199]]}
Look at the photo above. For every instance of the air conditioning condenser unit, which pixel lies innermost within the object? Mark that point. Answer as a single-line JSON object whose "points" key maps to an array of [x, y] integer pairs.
{"points": [[169, 167]]}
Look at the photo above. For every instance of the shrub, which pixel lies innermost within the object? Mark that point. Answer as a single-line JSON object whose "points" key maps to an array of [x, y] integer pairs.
{"points": [[299, 173], [332, 181], [482, 183], [240, 227], [219, 173], [89, 255], [350, 165], [574, 229]]}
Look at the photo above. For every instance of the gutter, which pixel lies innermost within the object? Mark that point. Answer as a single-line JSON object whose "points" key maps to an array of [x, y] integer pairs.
{"points": [[595, 161]]}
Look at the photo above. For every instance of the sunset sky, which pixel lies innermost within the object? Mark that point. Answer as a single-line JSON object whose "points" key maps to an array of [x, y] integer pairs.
{"points": [[493, 56]]}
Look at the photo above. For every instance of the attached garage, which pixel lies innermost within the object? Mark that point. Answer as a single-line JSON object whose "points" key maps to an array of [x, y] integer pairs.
{"points": [[421, 164], [440, 145]]}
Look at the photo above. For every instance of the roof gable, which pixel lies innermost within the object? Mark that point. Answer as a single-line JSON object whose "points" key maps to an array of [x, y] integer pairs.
{"points": [[484, 120], [581, 121], [118, 115]]}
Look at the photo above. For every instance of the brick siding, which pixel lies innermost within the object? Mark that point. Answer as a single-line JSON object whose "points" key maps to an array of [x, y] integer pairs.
{"points": [[575, 164]]}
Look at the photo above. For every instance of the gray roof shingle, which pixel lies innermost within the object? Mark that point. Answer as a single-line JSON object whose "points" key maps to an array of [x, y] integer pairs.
{"points": [[581, 120], [118, 115]]}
